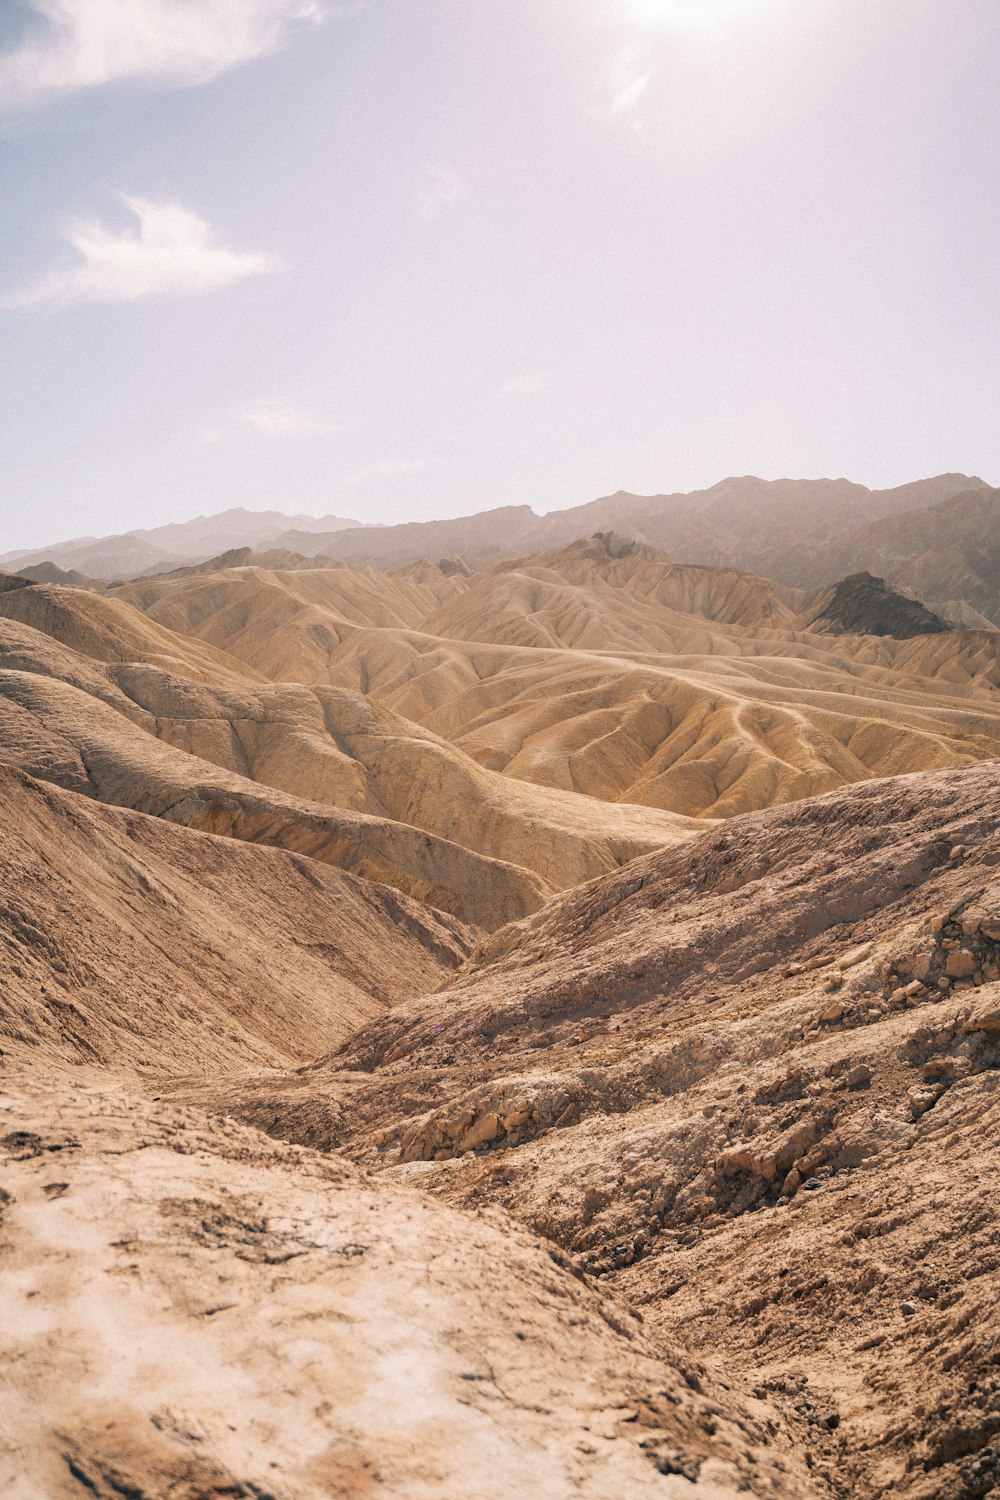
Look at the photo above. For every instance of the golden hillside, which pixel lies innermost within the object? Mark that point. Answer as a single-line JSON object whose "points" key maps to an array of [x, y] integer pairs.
{"points": [[605, 669]]}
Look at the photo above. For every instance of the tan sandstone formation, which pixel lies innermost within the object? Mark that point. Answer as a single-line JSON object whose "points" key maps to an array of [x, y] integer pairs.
{"points": [[605, 669]]}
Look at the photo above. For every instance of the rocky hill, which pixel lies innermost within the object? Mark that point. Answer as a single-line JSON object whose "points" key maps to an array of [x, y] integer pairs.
{"points": [[864, 605], [752, 1086]]}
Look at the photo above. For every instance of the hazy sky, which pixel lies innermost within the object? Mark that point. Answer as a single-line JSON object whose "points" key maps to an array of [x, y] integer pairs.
{"points": [[407, 258]]}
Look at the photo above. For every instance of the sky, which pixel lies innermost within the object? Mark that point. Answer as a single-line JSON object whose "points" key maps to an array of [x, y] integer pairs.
{"points": [[401, 259]]}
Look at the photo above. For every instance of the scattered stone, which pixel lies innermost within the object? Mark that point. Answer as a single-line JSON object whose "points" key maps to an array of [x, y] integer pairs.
{"points": [[984, 1017], [485, 1129], [921, 964], [791, 1184], [459, 1123], [921, 1100], [960, 964]]}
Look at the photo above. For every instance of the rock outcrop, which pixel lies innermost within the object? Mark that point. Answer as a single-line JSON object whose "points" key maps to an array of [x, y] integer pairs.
{"points": [[195, 1311], [865, 605]]}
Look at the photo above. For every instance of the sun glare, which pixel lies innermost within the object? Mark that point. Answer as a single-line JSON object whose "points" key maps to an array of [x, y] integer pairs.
{"points": [[691, 13]]}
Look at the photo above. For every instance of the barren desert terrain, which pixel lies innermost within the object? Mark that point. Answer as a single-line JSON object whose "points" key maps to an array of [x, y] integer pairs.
{"points": [[498, 1026]]}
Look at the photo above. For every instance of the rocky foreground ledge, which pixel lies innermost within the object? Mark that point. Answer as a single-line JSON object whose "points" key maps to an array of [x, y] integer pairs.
{"points": [[191, 1310]]}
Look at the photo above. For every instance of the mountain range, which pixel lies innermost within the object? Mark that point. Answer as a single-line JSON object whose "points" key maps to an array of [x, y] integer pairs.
{"points": [[171, 545], [934, 537]]}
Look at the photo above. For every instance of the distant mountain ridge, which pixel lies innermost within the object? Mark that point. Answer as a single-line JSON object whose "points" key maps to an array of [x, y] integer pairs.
{"points": [[938, 538], [738, 522], [175, 544], [948, 553]]}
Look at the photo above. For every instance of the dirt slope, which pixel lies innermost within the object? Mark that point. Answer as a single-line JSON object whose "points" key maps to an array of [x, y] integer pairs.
{"points": [[130, 943], [55, 731], [752, 1083], [320, 746], [110, 630]]}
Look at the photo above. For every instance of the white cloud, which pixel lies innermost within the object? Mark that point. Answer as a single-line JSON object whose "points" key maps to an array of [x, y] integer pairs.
{"points": [[81, 44], [389, 468], [523, 385], [629, 94], [282, 421], [438, 188], [171, 252], [630, 79]]}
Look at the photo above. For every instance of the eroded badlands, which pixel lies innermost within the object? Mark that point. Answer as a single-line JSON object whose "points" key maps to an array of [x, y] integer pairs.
{"points": [[500, 1027]]}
